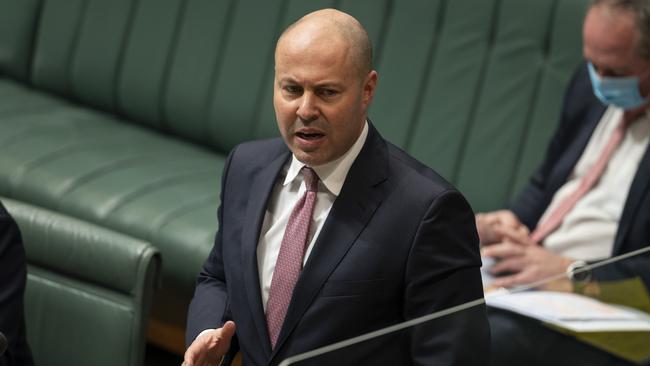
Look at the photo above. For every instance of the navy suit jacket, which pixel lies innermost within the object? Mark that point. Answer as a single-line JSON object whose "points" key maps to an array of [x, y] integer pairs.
{"points": [[581, 113], [399, 242], [13, 276]]}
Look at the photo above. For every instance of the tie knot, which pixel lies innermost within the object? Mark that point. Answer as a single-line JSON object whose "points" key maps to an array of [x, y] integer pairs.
{"points": [[311, 179]]}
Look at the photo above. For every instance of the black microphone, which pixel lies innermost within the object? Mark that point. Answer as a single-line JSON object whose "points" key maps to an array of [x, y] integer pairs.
{"points": [[3, 344]]}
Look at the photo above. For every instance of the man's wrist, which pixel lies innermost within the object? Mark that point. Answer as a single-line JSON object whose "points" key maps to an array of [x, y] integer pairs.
{"points": [[580, 276]]}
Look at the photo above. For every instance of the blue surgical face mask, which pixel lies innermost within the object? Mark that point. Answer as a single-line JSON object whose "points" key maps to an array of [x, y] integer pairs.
{"points": [[619, 91]]}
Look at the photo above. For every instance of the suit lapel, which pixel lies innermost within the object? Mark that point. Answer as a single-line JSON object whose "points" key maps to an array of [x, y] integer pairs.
{"points": [[261, 189], [639, 186], [349, 215]]}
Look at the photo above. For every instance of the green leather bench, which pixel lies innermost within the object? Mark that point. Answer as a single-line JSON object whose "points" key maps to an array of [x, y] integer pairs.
{"points": [[88, 290], [120, 113]]}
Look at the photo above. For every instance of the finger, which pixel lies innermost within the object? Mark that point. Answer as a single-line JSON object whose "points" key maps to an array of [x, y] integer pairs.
{"points": [[523, 230], [485, 230], [193, 356], [222, 342], [508, 219], [520, 231], [188, 360], [514, 235], [486, 218], [510, 281], [512, 265], [228, 330], [503, 250]]}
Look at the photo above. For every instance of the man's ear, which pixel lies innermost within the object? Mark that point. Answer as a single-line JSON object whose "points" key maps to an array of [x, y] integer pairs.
{"points": [[369, 85]]}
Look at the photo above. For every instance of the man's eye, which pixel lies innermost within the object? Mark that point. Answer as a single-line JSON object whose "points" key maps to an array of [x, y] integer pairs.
{"points": [[328, 92], [292, 89]]}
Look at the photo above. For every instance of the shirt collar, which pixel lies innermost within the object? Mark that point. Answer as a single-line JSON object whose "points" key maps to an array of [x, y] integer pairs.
{"points": [[331, 174]]}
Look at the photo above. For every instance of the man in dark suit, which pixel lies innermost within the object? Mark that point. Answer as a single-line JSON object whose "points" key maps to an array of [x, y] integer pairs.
{"points": [[611, 216], [389, 239], [13, 276]]}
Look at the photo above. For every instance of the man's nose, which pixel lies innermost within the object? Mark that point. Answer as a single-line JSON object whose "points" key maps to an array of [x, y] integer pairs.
{"points": [[307, 110]]}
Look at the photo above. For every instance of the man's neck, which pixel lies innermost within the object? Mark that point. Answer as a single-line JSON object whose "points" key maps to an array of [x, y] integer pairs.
{"points": [[632, 114]]}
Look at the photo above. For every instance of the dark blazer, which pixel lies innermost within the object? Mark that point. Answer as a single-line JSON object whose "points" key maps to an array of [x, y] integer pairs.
{"points": [[580, 115], [13, 276], [399, 243]]}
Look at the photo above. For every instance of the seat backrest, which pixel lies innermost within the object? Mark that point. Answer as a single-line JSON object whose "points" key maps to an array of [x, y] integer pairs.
{"points": [[474, 88], [18, 21], [97, 282], [470, 87]]}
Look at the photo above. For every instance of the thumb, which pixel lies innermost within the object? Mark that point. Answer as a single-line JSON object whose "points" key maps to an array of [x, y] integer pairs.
{"points": [[228, 330], [513, 235]]}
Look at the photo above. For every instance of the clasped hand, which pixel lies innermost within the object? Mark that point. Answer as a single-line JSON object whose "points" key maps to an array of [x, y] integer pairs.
{"points": [[518, 259]]}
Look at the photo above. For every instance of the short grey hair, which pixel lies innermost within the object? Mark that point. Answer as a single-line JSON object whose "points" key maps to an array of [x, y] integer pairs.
{"points": [[641, 11]]}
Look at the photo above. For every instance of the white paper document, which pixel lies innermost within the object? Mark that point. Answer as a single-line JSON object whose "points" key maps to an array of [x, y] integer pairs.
{"points": [[486, 276], [571, 311]]}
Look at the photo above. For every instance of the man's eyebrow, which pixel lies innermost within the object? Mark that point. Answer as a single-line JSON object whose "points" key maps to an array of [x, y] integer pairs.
{"points": [[286, 79], [321, 84], [330, 84]]}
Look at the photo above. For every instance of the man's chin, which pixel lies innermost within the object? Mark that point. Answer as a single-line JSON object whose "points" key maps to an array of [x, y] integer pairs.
{"points": [[311, 158], [307, 159]]}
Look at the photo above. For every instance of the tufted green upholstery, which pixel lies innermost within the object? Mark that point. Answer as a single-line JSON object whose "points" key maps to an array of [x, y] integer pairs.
{"points": [[120, 113], [88, 289]]}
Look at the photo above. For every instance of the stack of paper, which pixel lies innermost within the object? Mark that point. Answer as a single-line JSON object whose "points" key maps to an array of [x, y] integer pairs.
{"points": [[571, 311]]}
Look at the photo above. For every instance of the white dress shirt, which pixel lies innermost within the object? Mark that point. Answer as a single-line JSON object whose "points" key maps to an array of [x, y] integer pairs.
{"points": [[287, 191], [588, 230]]}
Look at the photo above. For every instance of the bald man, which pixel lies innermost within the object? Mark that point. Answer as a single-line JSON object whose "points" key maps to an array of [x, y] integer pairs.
{"points": [[331, 232]]}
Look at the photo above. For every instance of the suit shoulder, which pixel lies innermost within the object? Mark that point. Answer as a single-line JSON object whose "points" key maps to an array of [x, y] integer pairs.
{"points": [[259, 151], [421, 186], [419, 175]]}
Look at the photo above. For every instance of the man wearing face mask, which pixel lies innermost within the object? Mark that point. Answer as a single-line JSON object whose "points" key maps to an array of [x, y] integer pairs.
{"points": [[590, 197]]}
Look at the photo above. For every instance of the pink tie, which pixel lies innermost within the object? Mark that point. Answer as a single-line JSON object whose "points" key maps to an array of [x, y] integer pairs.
{"points": [[555, 218], [289, 262]]}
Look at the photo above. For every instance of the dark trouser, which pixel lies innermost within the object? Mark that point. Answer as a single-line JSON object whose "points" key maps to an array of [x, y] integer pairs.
{"points": [[519, 340]]}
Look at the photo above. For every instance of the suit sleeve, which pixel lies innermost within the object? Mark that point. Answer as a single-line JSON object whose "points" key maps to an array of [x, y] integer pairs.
{"points": [[635, 237], [13, 278], [627, 268], [443, 271], [209, 308]]}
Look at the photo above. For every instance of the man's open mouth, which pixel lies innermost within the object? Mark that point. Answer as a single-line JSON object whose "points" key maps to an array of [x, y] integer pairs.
{"points": [[309, 136]]}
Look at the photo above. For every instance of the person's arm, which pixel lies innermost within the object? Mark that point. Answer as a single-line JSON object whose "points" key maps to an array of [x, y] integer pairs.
{"points": [[210, 347], [208, 308], [442, 272], [638, 266], [490, 224], [520, 261], [208, 311], [13, 278]]}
